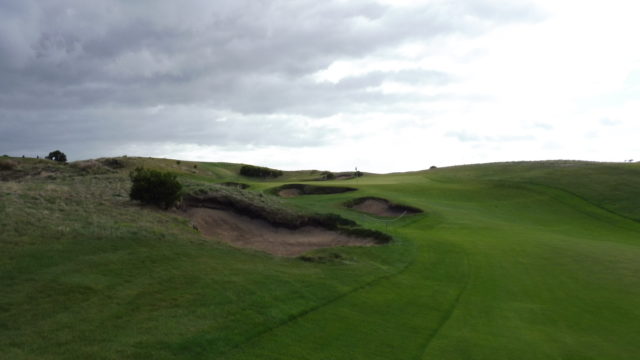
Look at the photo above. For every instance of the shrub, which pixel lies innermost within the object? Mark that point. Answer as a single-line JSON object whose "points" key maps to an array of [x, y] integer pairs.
{"points": [[57, 156], [113, 163], [155, 187], [328, 175], [258, 171], [6, 165]]}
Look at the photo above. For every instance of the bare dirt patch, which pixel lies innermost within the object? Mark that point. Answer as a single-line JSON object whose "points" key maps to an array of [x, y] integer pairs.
{"points": [[246, 232], [381, 207], [289, 193]]}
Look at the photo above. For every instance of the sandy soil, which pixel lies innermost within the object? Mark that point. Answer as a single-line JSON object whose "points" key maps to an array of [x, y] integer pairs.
{"points": [[242, 231], [379, 208], [289, 193]]}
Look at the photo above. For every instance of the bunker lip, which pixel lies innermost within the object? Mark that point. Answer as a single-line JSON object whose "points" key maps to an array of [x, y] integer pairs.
{"points": [[380, 207], [235, 185], [245, 232], [293, 190], [248, 225]]}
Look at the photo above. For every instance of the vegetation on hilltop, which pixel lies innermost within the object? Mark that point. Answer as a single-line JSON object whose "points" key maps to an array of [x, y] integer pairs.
{"points": [[259, 172]]}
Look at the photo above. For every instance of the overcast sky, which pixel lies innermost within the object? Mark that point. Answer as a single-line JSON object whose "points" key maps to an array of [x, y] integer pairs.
{"points": [[382, 85]]}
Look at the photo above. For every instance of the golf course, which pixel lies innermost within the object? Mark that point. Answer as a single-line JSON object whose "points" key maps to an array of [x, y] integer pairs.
{"points": [[520, 260]]}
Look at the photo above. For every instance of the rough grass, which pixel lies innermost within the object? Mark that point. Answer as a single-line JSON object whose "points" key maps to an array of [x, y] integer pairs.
{"points": [[510, 261]]}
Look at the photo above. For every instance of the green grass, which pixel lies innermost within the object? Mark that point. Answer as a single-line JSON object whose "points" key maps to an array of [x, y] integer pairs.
{"points": [[536, 260]]}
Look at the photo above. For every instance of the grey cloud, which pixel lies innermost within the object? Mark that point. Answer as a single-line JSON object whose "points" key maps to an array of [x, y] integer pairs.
{"points": [[81, 71], [80, 53], [110, 129]]}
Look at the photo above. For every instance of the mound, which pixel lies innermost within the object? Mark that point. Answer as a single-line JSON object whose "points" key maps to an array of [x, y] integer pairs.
{"points": [[381, 207], [289, 193], [234, 185], [250, 220], [246, 232], [293, 190]]}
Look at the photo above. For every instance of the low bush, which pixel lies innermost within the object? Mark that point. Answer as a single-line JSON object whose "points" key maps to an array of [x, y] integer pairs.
{"points": [[113, 163], [6, 165], [328, 175], [155, 187], [259, 172]]}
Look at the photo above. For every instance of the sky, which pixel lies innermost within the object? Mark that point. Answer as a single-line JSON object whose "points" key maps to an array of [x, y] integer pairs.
{"points": [[382, 85]]}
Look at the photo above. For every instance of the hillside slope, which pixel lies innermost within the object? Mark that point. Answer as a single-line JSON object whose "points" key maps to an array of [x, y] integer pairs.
{"points": [[525, 260]]}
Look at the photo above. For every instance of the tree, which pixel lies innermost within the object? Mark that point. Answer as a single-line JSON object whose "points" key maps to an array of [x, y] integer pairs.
{"points": [[57, 156], [155, 187]]}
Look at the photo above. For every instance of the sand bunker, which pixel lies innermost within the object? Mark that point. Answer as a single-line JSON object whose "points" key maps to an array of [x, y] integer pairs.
{"points": [[293, 190], [381, 207], [289, 193], [245, 232]]}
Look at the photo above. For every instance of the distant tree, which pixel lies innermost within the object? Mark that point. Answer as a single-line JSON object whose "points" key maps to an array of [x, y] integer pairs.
{"points": [[433, 167], [57, 156], [155, 187]]}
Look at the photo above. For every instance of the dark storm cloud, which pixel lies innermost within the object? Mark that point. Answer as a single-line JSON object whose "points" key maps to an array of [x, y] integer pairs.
{"points": [[108, 60]]}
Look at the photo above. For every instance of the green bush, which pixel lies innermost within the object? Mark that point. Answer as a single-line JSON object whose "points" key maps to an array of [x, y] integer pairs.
{"points": [[155, 187], [328, 175], [258, 171], [57, 156]]}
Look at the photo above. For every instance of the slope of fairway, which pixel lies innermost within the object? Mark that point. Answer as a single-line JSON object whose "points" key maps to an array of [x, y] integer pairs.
{"points": [[500, 273], [504, 263], [612, 186]]}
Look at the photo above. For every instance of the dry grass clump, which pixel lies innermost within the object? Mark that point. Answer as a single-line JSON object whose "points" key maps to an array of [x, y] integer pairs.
{"points": [[7, 165]]}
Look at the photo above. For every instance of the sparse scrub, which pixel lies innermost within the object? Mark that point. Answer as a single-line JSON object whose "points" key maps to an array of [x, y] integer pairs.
{"points": [[91, 167], [7, 165], [259, 172], [113, 163], [155, 187], [328, 175]]}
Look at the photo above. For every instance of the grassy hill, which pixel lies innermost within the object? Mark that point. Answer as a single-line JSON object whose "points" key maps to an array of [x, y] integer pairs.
{"points": [[529, 260]]}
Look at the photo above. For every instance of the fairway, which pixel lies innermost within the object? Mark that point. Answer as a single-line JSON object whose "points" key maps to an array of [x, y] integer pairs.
{"points": [[506, 261]]}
